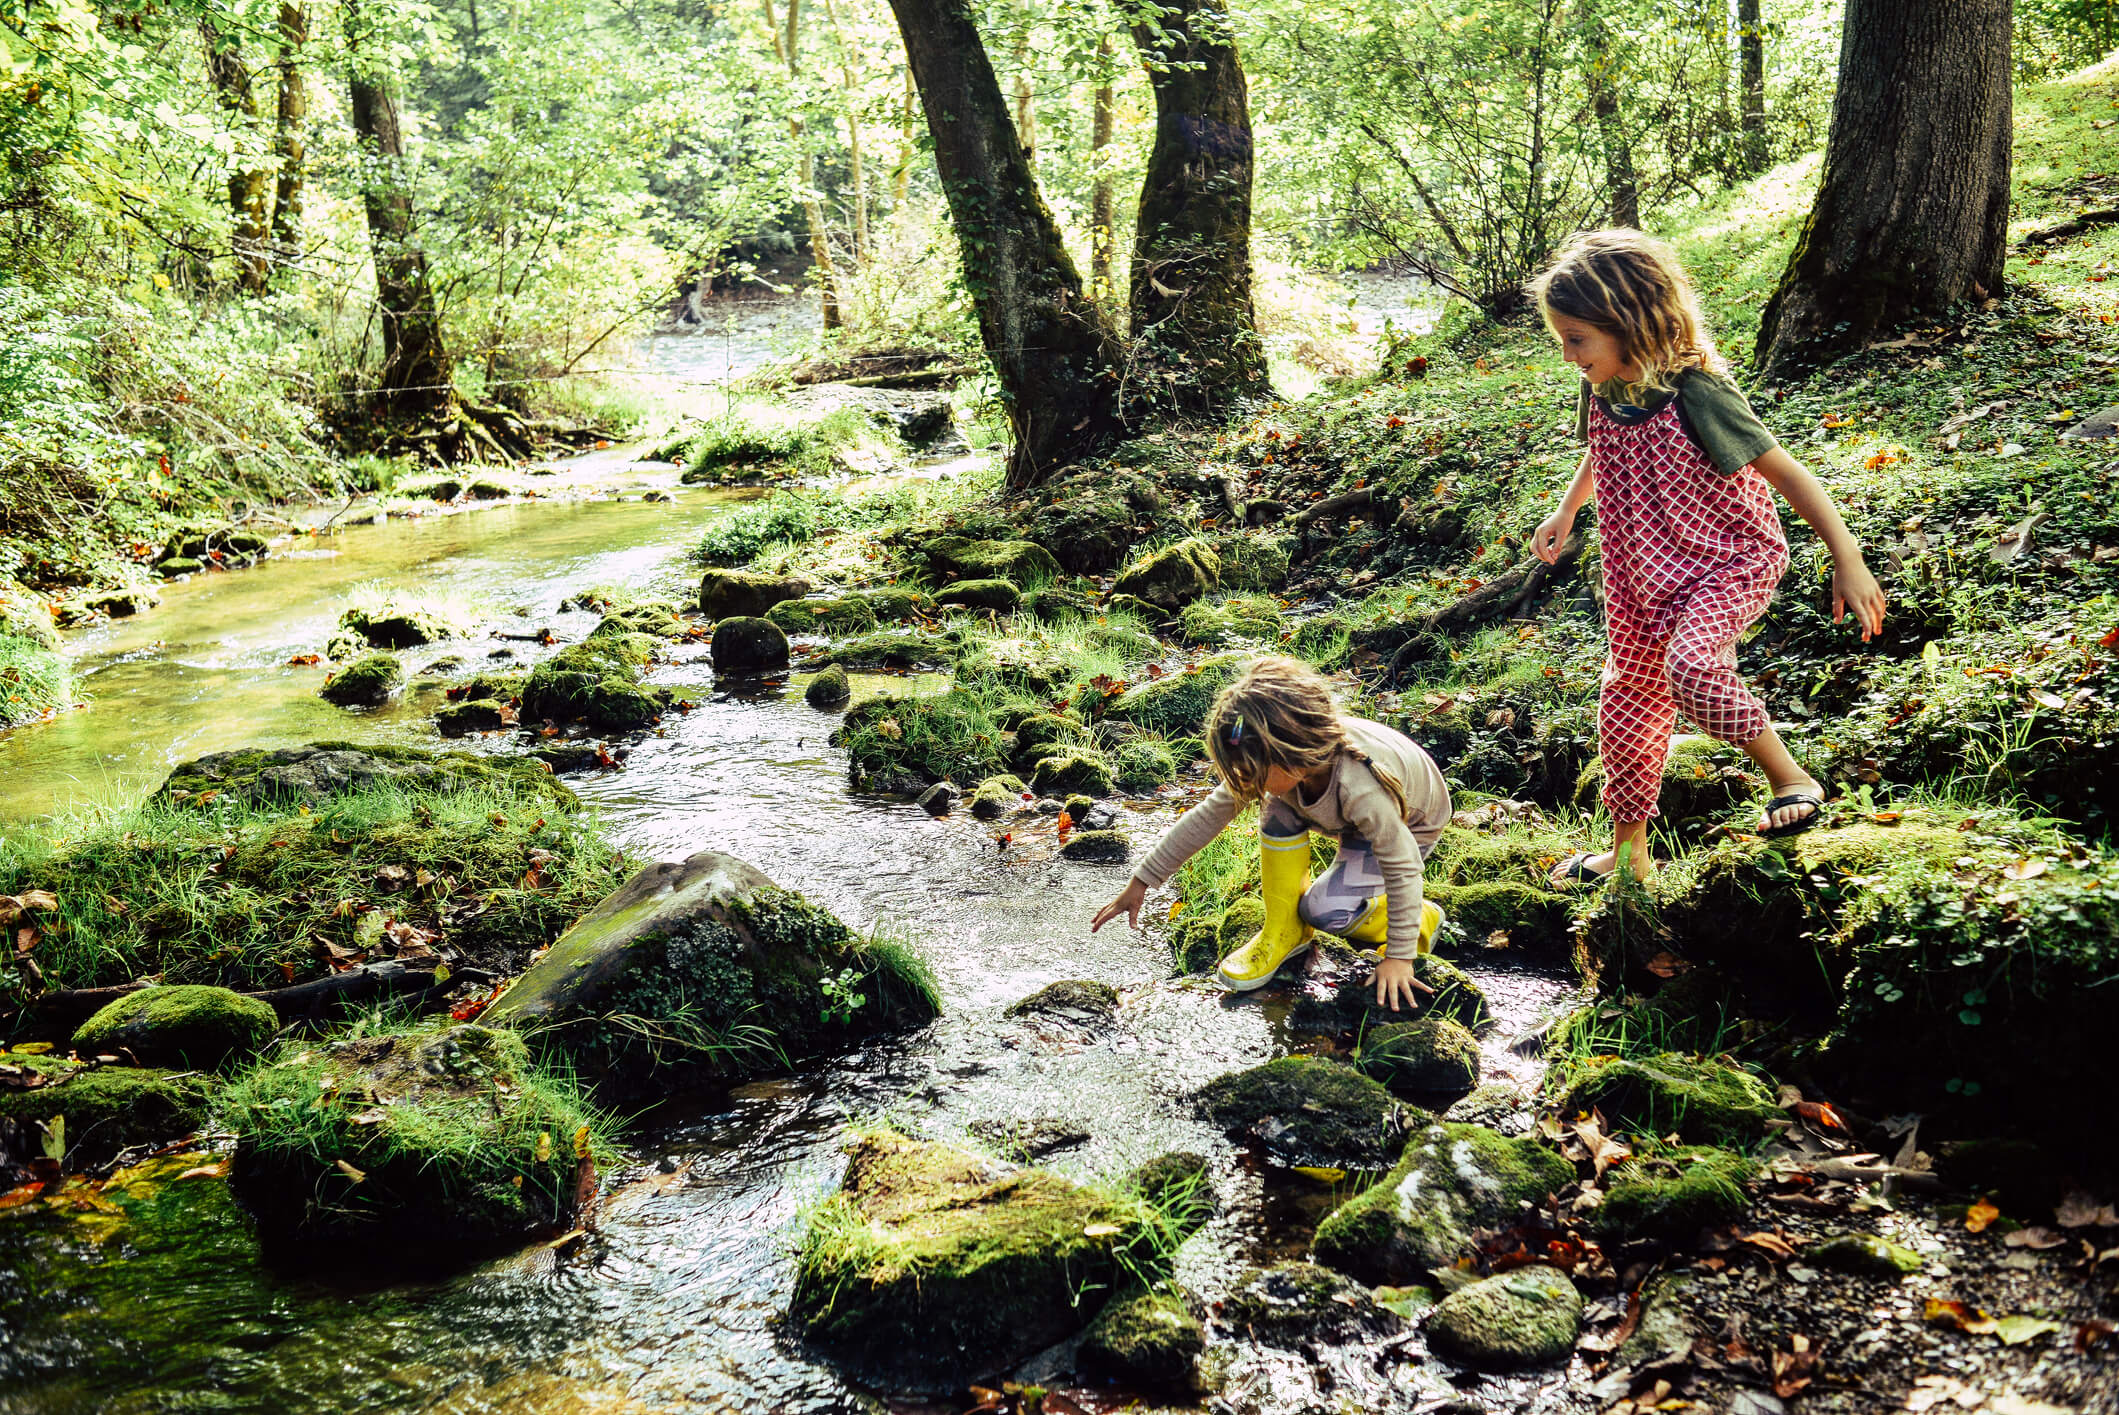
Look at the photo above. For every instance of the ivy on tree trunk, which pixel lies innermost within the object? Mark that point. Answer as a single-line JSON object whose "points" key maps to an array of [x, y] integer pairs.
{"points": [[1912, 211], [1056, 358], [1191, 300]]}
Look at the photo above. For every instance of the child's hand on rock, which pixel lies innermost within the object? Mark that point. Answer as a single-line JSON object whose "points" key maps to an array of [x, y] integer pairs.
{"points": [[1395, 981], [1128, 903]]}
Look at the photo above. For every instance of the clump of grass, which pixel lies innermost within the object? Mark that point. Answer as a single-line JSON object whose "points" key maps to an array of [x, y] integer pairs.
{"points": [[33, 680], [755, 437]]}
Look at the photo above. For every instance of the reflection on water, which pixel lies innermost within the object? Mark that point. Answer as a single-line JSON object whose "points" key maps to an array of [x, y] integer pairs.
{"points": [[672, 1304]]}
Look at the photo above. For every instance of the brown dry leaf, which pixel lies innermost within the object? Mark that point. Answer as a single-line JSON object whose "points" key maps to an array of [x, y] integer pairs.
{"points": [[2037, 1236], [1667, 965], [1794, 1368], [1939, 1312], [1604, 1151], [2079, 1210], [1497, 939], [1977, 1217], [207, 1171], [1772, 1243], [356, 1175]]}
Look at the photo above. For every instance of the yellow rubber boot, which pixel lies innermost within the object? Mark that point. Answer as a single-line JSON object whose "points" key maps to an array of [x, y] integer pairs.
{"points": [[1374, 927], [1284, 869]]}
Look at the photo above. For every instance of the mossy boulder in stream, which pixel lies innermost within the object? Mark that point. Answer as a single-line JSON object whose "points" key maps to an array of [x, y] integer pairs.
{"points": [[401, 623], [1301, 1304], [368, 681], [1452, 1181], [1309, 1111], [728, 594], [996, 796], [1020, 562], [1074, 770], [932, 1266], [1172, 577], [1674, 1194], [184, 1025], [1523, 1317], [1424, 1057], [998, 596], [1146, 1339], [1246, 618], [1176, 702], [657, 617], [848, 614], [596, 681], [322, 770], [105, 1109], [703, 972], [747, 645], [444, 1139], [1529, 917], [828, 689], [1350, 1011], [1706, 1102]]}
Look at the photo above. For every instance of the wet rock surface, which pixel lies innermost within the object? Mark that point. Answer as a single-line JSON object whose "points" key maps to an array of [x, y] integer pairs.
{"points": [[1525, 1317], [1308, 1111], [180, 1026], [747, 645], [1293, 1304], [323, 770]]}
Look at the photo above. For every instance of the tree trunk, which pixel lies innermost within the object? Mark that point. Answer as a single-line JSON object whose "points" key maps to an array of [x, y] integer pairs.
{"points": [[248, 185], [415, 375], [852, 91], [289, 146], [1191, 297], [1025, 101], [1912, 212], [1103, 239], [788, 46], [1751, 49], [1056, 359], [901, 182], [1620, 181]]}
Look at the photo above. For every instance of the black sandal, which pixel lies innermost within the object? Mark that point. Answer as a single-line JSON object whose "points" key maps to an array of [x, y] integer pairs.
{"points": [[1575, 870], [1814, 800]]}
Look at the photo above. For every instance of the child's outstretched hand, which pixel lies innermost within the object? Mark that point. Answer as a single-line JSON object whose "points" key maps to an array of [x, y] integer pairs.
{"points": [[1128, 903], [1551, 534], [1395, 984], [1856, 592]]}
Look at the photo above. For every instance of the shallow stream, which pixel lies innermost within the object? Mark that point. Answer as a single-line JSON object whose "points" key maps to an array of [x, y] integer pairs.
{"points": [[672, 1303]]}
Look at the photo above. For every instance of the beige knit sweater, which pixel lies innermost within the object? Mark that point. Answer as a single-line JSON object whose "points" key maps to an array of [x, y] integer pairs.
{"points": [[1353, 802]]}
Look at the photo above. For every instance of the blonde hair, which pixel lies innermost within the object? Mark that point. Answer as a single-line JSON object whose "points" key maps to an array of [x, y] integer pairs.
{"points": [[1279, 712], [1631, 286]]}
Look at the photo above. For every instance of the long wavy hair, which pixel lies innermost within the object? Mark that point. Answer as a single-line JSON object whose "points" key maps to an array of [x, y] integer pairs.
{"points": [[1631, 286], [1279, 712]]}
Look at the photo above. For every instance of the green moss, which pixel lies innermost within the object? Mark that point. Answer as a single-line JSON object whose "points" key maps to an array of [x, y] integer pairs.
{"points": [[903, 744], [1256, 561], [1244, 618], [369, 681], [1041, 733], [596, 681], [107, 1109], [848, 614], [999, 596], [1238, 925], [743, 644], [398, 619], [1146, 1339], [1106, 846], [1297, 1304], [892, 649], [1351, 1011], [186, 1025], [996, 796], [1703, 783], [729, 594], [1140, 767], [1082, 999], [1172, 577], [267, 777], [828, 689], [1077, 770], [1178, 702], [1531, 917], [655, 617], [1019, 562], [931, 1263], [1309, 1111], [461, 719], [894, 604], [1452, 1181], [1524, 1317], [1674, 1194], [1703, 1101], [440, 1135], [1431, 1054], [1864, 1254]]}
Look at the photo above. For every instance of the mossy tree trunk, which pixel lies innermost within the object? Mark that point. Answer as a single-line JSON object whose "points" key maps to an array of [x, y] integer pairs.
{"points": [[289, 142], [1912, 212], [1191, 298], [250, 184], [787, 44], [1103, 240], [415, 375], [1056, 358], [1751, 78]]}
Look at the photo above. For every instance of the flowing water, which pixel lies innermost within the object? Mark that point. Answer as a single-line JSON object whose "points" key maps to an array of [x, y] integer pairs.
{"points": [[672, 1304]]}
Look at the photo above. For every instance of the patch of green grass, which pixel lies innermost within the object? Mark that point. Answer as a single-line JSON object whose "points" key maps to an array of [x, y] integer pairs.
{"points": [[33, 680], [757, 437]]}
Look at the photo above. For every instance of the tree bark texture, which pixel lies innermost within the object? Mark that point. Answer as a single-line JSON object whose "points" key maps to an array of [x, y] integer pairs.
{"points": [[1191, 296], [1751, 55], [1912, 211], [788, 45], [1056, 359], [415, 375], [289, 145], [1103, 239], [250, 184], [1621, 184]]}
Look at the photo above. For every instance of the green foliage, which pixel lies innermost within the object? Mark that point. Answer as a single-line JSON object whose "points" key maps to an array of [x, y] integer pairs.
{"points": [[33, 680]]}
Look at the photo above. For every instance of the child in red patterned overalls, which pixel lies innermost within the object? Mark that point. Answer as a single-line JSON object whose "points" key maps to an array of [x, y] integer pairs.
{"points": [[1684, 475]]}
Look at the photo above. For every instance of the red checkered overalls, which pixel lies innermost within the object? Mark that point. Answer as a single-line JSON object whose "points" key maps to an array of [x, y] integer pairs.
{"points": [[1691, 557]]}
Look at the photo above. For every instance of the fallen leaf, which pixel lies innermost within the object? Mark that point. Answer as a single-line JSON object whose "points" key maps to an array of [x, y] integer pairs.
{"points": [[207, 1171], [356, 1175], [1604, 1151], [1939, 1312], [2025, 869], [21, 1194], [1977, 1217], [1794, 1368], [1667, 965], [1100, 1230], [2035, 1236], [1819, 1113], [2015, 1331]]}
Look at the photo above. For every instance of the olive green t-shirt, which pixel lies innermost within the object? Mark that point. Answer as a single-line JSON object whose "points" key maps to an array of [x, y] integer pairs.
{"points": [[1713, 409]]}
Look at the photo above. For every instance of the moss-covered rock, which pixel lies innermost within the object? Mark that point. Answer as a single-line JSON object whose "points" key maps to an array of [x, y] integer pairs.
{"points": [[399, 624], [1238, 925], [996, 796], [740, 594], [1531, 917], [891, 649], [1420, 1058], [1146, 1339], [321, 770], [596, 681], [701, 972], [1172, 577], [848, 614], [1452, 1181], [655, 617], [932, 1266], [1351, 1009], [1239, 618], [1057, 606], [24, 615], [1863, 1254], [746, 645], [1088, 528], [1103, 846], [369, 681], [1301, 1304], [1070, 771], [462, 719], [1524, 1317], [1309, 1111], [1142, 766], [1256, 561], [1674, 1194], [828, 689], [106, 1109], [1070, 1000], [892, 604], [185, 1025], [1044, 733], [444, 1137], [1020, 562], [999, 596], [1178, 702], [1702, 1101], [1666, 1330]]}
